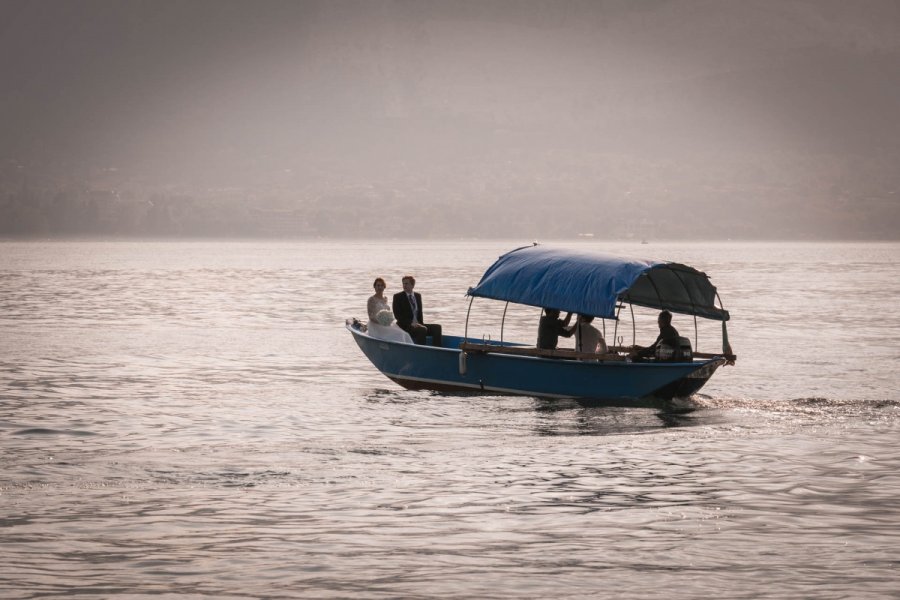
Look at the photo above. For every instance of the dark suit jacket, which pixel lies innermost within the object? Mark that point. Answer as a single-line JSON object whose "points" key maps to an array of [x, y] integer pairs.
{"points": [[403, 311]]}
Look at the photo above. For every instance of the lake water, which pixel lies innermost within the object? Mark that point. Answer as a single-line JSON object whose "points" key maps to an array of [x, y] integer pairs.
{"points": [[192, 418]]}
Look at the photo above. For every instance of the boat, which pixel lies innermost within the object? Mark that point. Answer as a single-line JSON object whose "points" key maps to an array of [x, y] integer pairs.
{"points": [[574, 281]]}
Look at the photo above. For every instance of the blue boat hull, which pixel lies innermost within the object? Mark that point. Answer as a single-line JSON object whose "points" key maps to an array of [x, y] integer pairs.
{"points": [[447, 369]]}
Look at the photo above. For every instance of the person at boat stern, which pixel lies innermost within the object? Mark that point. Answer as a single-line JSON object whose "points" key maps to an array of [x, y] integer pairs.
{"points": [[550, 327], [407, 307], [668, 336]]}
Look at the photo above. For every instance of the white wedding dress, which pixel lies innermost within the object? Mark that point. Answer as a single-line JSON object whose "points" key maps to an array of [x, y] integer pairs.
{"points": [[389, 333]]}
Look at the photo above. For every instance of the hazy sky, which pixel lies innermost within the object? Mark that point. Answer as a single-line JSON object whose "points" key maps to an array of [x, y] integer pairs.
{"points": [[221, 93]]}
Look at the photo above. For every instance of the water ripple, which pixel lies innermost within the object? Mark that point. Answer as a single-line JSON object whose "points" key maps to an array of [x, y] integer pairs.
{"points": [[192, 419]]}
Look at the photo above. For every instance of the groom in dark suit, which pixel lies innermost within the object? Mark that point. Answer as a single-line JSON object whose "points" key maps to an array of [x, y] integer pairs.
{"points": [[407, 307]]}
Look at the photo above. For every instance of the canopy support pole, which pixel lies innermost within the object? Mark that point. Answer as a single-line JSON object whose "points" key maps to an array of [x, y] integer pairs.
{"points": [[503, 322], [466, 331], [616, 328], [633, 328], [695, 332]]}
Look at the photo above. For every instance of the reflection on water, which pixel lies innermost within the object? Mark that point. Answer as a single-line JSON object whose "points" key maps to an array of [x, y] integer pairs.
{"points": [[586, 417], [193, 419]]}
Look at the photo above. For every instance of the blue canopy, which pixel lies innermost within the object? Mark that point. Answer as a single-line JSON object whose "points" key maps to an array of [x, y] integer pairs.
{"points": [[591, 283]]}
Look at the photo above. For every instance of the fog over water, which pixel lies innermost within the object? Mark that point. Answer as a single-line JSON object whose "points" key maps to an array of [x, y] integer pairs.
{"points": [[682, 119]]}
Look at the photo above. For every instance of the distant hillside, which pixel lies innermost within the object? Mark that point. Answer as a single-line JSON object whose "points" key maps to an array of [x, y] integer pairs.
{"points": [[643, 114]]}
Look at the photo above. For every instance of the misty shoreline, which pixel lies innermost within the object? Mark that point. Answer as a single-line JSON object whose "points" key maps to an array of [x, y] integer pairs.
{"points": [[395, 212], [648, 120], [12, 239]]}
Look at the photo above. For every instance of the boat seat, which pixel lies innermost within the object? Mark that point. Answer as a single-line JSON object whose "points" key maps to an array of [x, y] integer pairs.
{"points": [[538, 352]]}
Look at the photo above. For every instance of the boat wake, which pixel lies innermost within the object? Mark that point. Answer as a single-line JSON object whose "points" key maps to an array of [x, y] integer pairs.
{"points": [[827, 408]]}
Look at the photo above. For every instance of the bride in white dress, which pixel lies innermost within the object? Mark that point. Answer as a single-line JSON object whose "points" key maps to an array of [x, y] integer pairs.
{"points": [[381, 317]]}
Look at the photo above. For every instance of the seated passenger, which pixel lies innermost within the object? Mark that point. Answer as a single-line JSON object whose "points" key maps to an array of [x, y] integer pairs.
{"points": [[668, 336], [587, 337], [381, 319], [407, 307]]}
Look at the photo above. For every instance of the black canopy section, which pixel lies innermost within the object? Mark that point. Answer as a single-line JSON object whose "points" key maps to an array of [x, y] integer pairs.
{"points": [[677, 288]]}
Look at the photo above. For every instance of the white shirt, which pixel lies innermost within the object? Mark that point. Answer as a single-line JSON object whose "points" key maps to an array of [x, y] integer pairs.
{"points": [[589, 339], [415, 307]]}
